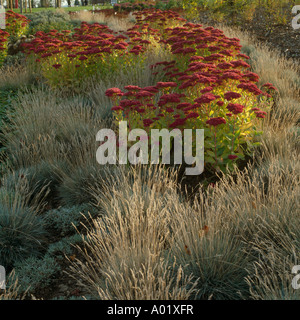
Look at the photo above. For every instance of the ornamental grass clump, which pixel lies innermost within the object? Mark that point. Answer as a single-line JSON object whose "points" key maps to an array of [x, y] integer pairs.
{"points": [[21, 231], [124, 251]]}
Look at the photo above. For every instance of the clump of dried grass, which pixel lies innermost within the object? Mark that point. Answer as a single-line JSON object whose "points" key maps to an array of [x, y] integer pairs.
{"points": [[271, 276], [125, 249], [16, 76], [49, 128], [213, 241]]}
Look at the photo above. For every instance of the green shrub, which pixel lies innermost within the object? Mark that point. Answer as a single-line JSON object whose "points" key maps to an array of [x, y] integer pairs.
{"points": [[64, 246], [36, 273], [47, 20], [12, 60], [62, 219]]}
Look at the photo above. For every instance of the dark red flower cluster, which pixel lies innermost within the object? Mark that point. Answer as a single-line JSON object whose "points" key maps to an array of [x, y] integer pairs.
{"points": [[260, 114], [216, 121], [177, 123], [235, 108], [3, 40], [147, 122], [206, 98], [113, 92], [166, 84], [160, 19], [87, 45], [3, 45], [232, 95], [56, 66], [206, 62], [170, 98], [269, 87], [207, 85]]}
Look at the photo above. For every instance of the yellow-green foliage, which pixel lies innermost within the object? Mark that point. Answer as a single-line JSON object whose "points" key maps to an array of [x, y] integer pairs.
{"points": [[3, 45]]}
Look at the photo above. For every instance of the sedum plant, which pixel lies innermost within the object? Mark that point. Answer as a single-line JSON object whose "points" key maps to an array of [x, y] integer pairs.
{"points": [[207, 86]]}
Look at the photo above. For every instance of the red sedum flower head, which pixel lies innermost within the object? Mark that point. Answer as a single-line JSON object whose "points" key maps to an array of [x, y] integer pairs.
{"points": [[56, 66], [192, 115], [113, 92], [166, 84], [132, 88], [117, 108], [235, 108], [147, 122], [206, 98], [177, 123], [231, 95], [216, 121], [260, 114]]}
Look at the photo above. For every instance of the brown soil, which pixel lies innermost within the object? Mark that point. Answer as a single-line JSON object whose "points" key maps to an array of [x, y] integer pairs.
{"points": [[276, 32]]}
